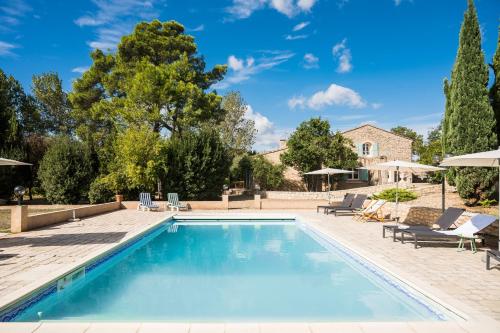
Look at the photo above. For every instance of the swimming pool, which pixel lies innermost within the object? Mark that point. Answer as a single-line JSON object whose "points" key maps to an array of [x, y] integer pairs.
{"points": [[229, 271]]}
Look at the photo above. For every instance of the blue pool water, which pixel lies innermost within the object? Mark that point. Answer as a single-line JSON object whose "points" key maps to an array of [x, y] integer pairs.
{"points": [[230, 272]]}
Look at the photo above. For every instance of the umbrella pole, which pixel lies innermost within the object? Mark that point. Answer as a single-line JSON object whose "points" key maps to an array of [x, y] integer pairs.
{"points": [[397, 194], [443, 192], [328, 188]]}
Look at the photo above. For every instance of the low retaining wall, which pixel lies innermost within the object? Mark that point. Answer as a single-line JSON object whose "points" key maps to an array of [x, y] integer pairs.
{"points": [[198, 205], [339, 195], [21, 221]]}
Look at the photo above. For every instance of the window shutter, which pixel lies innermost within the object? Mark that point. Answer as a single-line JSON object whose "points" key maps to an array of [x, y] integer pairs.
{"points": [[363, 174], [375, 150], [359, 146]]}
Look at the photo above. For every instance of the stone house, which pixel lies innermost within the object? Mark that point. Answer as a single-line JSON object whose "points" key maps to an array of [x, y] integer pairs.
{"points": [[372, 144]]}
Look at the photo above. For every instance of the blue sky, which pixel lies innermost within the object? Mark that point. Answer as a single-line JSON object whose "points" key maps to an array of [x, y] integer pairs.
{"points": [[348, 61]]}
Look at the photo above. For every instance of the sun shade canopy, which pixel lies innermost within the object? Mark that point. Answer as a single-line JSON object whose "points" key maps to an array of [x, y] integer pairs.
{"points": [[327, 171], [483, 159], [403, 166], [4, 161]]}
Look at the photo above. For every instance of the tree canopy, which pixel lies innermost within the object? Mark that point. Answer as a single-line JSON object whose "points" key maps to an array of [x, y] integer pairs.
{"points": [[313, 146]]}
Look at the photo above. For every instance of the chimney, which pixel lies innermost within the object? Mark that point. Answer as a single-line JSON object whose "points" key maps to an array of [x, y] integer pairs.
{"points": [[282, 144]]}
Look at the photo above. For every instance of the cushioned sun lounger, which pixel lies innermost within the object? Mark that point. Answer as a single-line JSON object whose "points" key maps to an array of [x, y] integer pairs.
{"points": [[173, 202], [467, 231], [348, 198], [444, 222], [356, 205], [145, 202]]}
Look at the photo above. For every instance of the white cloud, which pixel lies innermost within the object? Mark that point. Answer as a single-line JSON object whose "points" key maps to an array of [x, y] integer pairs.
{"points": [[294, 37], [306, 5], [343, 55], [242, 70], [398, 2], [268, 135], [115, 18], [6, 48], [201, 27], [235, 64], [350, 117], [300, 26], [241, 9], [81, 69], [334, 95], [295, 102], [376, 106], [310, 61], [11, 12]]}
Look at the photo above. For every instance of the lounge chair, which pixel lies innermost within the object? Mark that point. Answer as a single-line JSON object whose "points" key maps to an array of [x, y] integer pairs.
{"points": [[467, 231], [356, 205], [491, 254], [173, 202], [444, 222], [372, 212], [145, 202], [348, 198]]}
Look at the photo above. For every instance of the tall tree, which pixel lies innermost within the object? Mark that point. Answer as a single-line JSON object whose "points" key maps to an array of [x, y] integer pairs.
{"points": [[237, 131], [11, 100], [495, 88], [313, 146], [156, 77], [418, 139], [471, 123], [48, 90]]}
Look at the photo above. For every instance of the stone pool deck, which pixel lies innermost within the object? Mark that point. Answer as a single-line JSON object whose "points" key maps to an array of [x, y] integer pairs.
{"points": [[459, 279]]}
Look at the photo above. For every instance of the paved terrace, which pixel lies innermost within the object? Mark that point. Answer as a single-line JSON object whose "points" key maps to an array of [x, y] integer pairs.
{"points": [[459, 279]]}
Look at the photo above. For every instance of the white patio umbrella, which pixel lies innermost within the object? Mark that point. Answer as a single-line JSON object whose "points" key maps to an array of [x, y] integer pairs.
{"points": [[401, 166], [4, 161], [484, 159], [328, 171]]}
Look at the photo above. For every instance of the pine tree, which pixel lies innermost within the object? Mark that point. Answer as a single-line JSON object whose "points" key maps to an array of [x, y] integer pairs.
{"points": [[495, 88], [470, 121]]}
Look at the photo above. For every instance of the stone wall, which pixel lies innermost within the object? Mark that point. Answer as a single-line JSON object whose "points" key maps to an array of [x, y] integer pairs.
{"points": [[334, 195]]}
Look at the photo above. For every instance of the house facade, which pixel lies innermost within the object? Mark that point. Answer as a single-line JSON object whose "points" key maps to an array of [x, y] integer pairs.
{"points": [[372, 144]]}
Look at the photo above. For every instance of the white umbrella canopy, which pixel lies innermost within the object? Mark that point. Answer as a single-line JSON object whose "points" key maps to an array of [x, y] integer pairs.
{"points": [[484, 159], [402, 166], [4, 161], [328, 171]]}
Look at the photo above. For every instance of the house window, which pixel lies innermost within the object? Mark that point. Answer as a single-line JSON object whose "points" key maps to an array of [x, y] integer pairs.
{"points": [[354, 175], [366, 148]]}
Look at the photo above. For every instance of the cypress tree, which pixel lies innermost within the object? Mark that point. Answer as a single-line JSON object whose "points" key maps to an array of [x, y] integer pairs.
{"points": [[470, 121], [495, 88]]}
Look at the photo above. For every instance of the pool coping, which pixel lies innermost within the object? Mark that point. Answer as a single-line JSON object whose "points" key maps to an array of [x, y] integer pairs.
{"points": [[472, 316]]}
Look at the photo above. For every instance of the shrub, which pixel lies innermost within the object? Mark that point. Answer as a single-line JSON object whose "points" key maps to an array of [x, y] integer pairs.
{"points": [[65, 171], [487, 203], [196, 165], [390, 195], [267, 175], [101, 191]]}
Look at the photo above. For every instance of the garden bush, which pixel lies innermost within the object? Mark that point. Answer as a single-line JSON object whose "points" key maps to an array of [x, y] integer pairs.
{"points": [[100, 191], [267, 175], [65, 171], [195, 166], [390, 195]]}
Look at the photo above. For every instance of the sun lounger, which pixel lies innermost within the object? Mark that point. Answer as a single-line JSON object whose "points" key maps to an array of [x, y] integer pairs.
{"points": [[491, 254], [372, 212], [348, 198], [356, 205], [145, 202], [467, 231], [445, 221], [173, 202]]}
